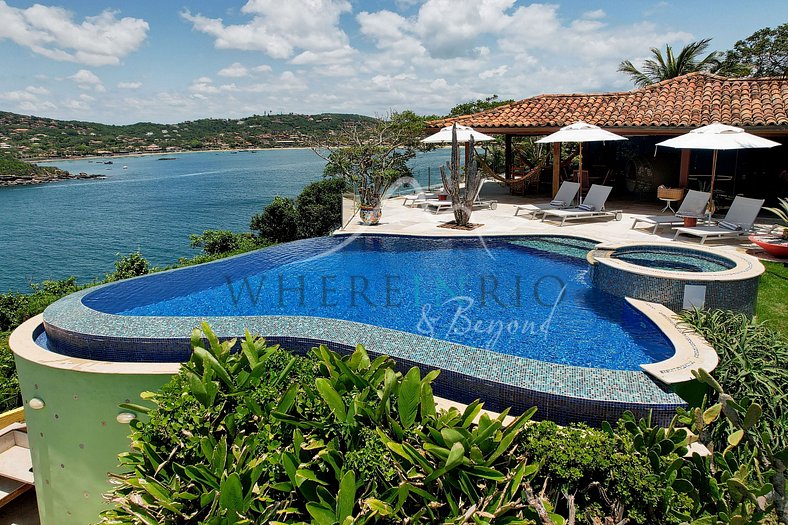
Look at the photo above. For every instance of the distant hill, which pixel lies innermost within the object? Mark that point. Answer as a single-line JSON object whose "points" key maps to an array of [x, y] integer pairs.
{"points": [[36, 137], [15, 172]]}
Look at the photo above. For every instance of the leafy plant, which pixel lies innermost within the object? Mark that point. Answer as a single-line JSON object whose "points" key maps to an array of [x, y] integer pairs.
{"points": [[371, 157], [751, 366], [10, 396], [217, 242], [278, 222], [319, 207], [670, 65], [131, 265], [782, 211]]}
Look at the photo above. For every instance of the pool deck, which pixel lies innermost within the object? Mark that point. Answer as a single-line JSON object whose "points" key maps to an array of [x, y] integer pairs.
{"points": [[405, 220]]}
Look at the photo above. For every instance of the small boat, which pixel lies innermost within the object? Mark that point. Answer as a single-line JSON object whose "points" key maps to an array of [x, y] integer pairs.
{"points": [[125, 167], [108, 162], [167, 158]]}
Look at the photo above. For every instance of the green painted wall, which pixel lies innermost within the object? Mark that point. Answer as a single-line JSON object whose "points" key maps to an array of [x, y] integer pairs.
{"points": [[75, 438]]}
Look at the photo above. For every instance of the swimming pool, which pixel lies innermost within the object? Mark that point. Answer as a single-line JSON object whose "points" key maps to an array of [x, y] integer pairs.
{"points": [[525, 298], [677, 259]]}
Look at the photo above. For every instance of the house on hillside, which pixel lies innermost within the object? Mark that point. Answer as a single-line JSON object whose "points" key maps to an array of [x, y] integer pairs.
{"points": [[652, 114]]}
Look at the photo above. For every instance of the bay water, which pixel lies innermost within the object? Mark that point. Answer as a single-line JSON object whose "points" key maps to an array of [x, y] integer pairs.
{"points": [[78, 227]]}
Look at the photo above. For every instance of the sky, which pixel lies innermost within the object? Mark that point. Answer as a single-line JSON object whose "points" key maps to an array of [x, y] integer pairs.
{"points": [[121, 62]]}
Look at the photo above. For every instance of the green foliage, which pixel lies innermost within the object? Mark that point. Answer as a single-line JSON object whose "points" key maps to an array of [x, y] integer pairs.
{"points": [[475, 106], [131, 265], [670, 65], [10, 396], [752, 364], [57, 138], [217, 242], [278, 222], [15, 308], [762, 54], [782, 212], [371, 157], [319, 207]]}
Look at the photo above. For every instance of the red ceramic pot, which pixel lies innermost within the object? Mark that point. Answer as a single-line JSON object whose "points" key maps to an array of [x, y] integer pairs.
{"points": [[777, 249]]}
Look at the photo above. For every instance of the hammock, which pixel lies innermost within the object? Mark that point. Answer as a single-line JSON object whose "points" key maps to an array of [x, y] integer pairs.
{"points": [[517, 184]]}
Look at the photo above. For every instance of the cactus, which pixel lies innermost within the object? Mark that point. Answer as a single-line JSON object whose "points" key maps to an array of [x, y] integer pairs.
{"points": [[461, 197]]}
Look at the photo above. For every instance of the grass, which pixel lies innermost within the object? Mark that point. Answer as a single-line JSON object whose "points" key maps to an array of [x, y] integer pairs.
{"points": [[773, 297]]}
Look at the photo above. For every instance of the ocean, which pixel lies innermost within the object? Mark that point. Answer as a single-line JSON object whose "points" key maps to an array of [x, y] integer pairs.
{"points": [[79, 227]]}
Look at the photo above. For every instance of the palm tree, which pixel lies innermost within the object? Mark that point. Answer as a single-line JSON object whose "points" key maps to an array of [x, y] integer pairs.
{"points": [[670, 66]]}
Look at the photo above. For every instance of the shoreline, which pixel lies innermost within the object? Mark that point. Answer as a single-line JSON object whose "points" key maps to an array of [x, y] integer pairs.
{"points": [[159, 153]]}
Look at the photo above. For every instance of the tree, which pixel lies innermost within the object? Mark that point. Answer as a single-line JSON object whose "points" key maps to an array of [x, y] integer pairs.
{"points": [[475, 106], [762, 54], [671, 66], [371, 157]]}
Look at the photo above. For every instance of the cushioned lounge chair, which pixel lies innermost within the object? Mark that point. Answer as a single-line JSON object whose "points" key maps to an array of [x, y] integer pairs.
{"points": [[563, 199], [738, 221], [439, 205], [593, 207], [693, 206]]}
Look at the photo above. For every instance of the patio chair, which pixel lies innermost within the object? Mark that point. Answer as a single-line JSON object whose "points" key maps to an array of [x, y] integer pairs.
{"points": [[738, 221], [693, 206], [563, 199], [413, 200], [593, 207], [440, 205]]}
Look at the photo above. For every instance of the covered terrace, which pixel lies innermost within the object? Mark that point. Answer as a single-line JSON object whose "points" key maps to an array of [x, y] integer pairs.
{"points": [[649, 115]]}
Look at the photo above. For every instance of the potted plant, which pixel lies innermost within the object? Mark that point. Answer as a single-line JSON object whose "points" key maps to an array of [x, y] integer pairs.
{"points": [[776, 245], [371, 157]]}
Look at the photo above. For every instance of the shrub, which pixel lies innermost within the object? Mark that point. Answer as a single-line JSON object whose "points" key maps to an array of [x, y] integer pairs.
{"points": [[752, 365], [219, 242], [319, 207], [10, 396], [131, 265], [278, 222], [15, 308]]}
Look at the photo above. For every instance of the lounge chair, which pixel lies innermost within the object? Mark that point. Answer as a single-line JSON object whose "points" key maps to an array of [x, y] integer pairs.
{"points": [[693, 206], [563, 199], [738, 221], [440, 205], [593, 207], [414, 200]]}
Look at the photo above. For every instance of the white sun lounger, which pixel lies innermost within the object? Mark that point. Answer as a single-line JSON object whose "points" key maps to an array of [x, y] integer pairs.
{"points": [[738, 221], [414, 200], [593, 207], [563, 199], [693, 206], [439, 205]]}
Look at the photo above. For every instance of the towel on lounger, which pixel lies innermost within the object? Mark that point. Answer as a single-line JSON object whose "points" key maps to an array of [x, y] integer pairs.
{"points": [[558, 204], [586, 207]]}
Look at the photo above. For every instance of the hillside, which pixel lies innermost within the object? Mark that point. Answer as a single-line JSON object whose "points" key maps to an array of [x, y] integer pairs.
{"points": [[35, 137], [15, 172]]}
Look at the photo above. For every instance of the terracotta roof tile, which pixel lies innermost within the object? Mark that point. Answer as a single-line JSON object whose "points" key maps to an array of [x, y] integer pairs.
{"points": [[688, 101]]}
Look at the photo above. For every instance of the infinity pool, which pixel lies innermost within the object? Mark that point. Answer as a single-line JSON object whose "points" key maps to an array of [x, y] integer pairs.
{"points": [[529, 298]]}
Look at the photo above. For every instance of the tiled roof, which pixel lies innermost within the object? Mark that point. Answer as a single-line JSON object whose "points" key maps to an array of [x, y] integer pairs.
{"points": [[688, 101]]}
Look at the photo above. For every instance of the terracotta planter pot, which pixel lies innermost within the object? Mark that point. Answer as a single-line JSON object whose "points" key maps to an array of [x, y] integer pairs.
{"points": [[775, 246], [369, 215]]}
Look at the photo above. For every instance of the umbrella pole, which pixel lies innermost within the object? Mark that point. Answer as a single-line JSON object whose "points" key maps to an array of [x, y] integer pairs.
{"points": [[580, 170], [713, 176]]}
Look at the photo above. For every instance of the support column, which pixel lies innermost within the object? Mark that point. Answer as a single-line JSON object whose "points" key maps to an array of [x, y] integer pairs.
{"points": [[507, 155], [684, 168], [556, 167]]}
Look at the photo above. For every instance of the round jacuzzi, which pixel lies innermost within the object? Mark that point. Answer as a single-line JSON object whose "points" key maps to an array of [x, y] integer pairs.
{"points": [[677, 276]]}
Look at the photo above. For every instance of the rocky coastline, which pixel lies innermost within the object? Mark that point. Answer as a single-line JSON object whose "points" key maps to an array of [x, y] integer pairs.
{"points": [[43, 175]]}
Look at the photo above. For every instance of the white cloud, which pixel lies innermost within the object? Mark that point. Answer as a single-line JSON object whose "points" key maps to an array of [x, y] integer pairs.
{"points": [[129, 85], [279, 29], [496, 72], [265, 68], [37, 90], [87, 80], [235, 70], [597, 13], [52, 32], [18, 96]]}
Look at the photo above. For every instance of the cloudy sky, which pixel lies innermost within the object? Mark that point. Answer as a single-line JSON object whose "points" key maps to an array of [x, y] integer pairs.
{"points": [[164, 61]]}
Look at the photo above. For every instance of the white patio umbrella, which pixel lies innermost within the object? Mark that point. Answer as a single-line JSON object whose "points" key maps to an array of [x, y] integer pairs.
{"points": [[580, 132], [715, 137], [464, 134]]}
